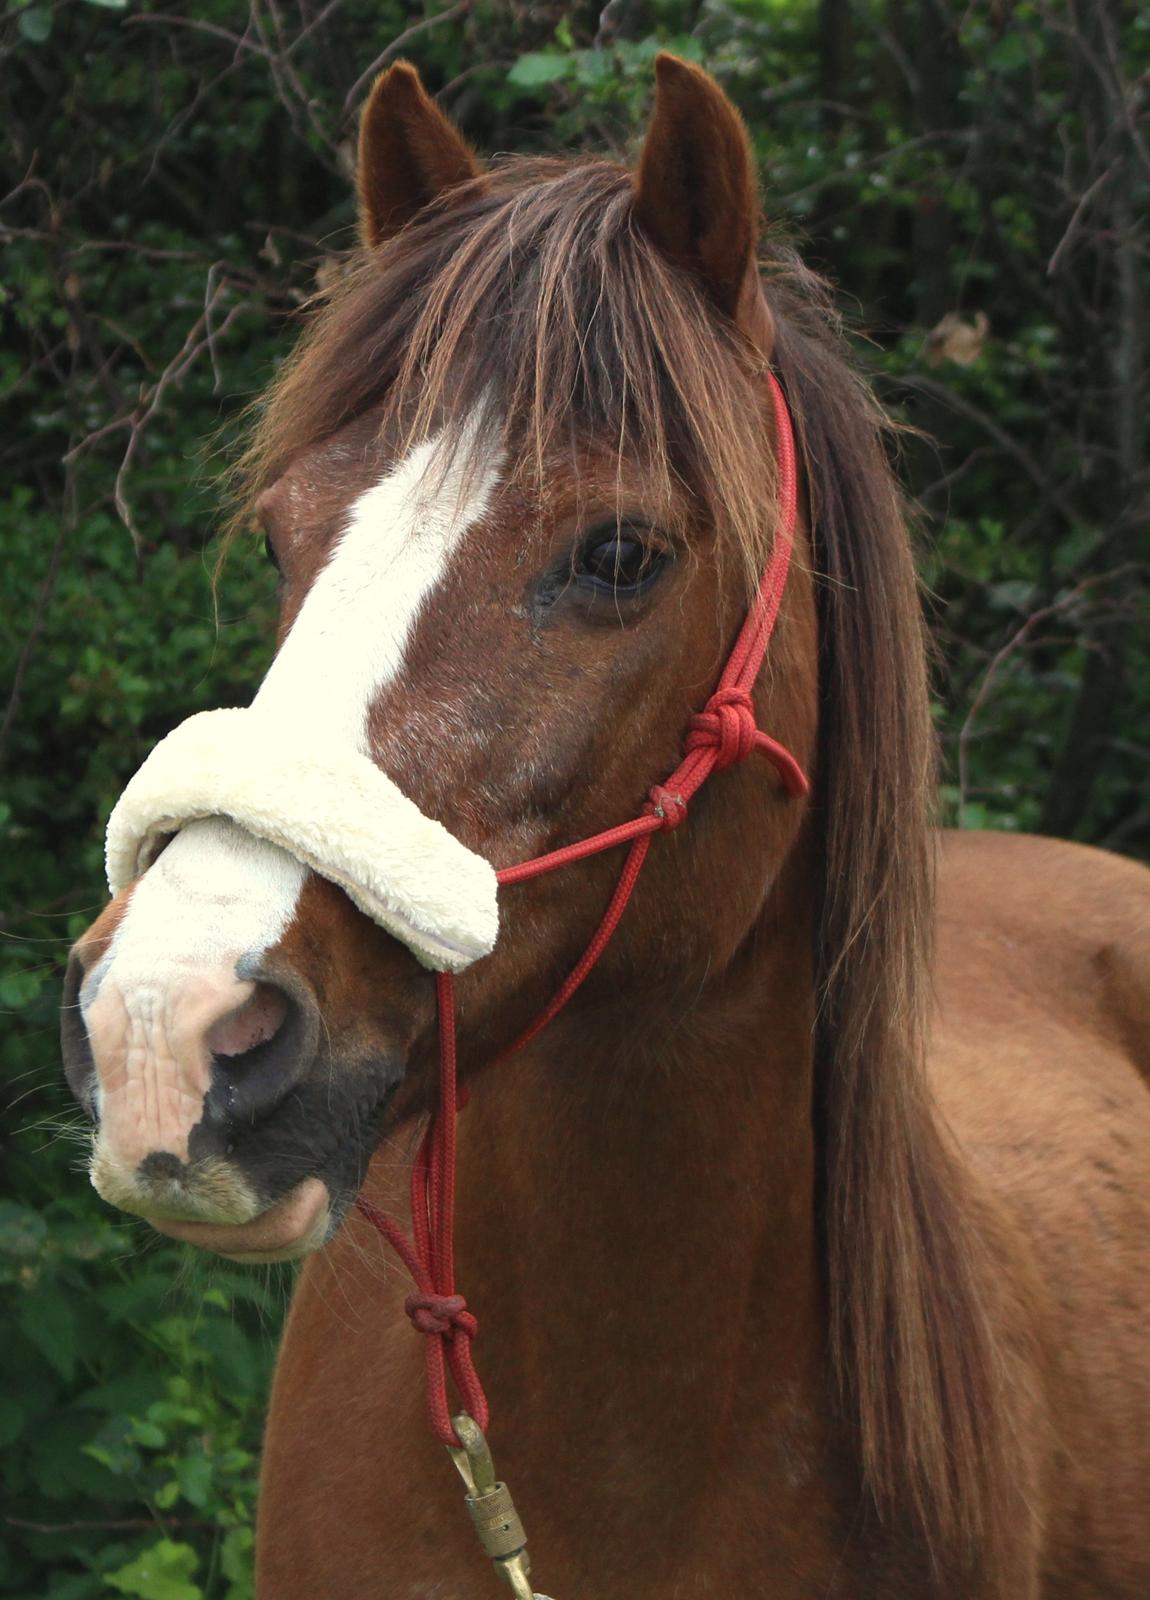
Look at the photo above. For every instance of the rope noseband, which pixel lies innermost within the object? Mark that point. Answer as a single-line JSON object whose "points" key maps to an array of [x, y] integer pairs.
{"points": [[723, 733]]}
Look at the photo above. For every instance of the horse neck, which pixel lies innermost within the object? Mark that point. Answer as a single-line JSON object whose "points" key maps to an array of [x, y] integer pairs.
{"points": [[636, 1224]]}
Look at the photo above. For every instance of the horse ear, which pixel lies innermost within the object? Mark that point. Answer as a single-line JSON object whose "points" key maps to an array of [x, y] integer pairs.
{"points": [[409, 153], [695, 193]]}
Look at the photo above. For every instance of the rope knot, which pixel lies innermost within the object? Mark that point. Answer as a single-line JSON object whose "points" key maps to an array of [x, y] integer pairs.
{"points": [[670, 808], [726, 725], [440, 1314]]}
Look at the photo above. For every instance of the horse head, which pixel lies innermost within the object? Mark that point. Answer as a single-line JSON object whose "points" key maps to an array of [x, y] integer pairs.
{"points": [[518, 483]]}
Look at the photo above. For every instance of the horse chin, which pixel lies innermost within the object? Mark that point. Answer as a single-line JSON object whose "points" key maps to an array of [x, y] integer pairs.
{"points": [[295, 1226], [212, 1205]]}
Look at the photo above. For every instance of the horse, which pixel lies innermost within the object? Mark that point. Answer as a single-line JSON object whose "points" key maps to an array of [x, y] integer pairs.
{"points": [[809, 1238]]}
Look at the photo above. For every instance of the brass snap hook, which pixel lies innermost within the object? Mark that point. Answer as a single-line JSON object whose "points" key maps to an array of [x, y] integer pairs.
{"points": [[492, 1510]]}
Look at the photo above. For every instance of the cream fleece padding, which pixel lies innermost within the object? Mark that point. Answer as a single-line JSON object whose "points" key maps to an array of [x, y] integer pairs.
{"points": [[332, 809]]}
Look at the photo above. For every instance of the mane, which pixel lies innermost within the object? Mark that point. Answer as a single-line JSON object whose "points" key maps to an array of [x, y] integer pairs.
{"points": [[909, 1247], [529, 295]]}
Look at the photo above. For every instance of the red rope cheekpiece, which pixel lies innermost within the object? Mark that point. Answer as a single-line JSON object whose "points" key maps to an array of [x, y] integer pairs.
{"points": [[720, 735]]}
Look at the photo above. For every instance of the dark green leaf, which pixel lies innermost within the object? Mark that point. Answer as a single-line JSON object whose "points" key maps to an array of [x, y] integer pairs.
{"points": [[36, 24]]}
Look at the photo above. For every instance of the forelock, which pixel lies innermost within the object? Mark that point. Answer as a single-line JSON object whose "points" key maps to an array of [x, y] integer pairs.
{"points": [[532, 294]]}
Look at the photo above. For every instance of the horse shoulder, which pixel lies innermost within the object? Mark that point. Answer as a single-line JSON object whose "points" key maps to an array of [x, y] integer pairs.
{"points": [[1041, 1066]]}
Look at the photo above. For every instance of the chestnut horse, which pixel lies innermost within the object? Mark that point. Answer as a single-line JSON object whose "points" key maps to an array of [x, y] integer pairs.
{"points": [[811, 1240]]}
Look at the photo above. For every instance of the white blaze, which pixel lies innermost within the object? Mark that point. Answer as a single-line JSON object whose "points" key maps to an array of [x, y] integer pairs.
{"points": [[217, 894], [351, 636]]}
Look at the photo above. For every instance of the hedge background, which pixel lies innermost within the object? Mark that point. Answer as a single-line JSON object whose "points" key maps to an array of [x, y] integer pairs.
{"points": [[176, 184]]}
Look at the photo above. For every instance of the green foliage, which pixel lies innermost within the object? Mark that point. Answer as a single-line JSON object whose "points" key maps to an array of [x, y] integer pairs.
{"points": [[163, 1572], [131, 1413], [173, 193]]}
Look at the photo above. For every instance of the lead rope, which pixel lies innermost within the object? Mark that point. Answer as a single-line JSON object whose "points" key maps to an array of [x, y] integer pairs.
{"points": [[719, 736]]}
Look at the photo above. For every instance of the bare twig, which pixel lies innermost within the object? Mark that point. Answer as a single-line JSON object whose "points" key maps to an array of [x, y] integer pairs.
{"points": [[292, 92], [1079, 212], [195, 343], [198, 25], [882, 159], [290, 86], [400, 42], [209, 332], [964, 407], [1017, 639], [317, 21], [610, 22]]}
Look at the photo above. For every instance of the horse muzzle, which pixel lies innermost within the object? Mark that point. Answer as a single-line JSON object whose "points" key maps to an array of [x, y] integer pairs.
{"points": [[213, 1112]]}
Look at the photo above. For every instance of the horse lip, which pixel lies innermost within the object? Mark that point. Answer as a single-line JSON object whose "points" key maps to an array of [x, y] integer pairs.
{"points": [[294, 1226]]}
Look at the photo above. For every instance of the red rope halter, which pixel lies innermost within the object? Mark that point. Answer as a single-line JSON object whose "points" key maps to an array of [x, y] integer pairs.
{"points": [[720, 735]]}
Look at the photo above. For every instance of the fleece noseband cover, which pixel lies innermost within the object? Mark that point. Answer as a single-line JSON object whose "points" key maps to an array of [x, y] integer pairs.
{"points": [[332, 809]]}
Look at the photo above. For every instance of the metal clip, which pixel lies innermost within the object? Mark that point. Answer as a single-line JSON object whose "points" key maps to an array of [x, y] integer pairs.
{"points": [[492, 1509]]}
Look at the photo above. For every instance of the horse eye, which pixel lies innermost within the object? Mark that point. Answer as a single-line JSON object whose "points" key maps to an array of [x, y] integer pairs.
{"points": [[270, 552], [619, 559]]}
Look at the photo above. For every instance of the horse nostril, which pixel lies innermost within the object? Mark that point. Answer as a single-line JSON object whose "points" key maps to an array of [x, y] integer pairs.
{"points": [[258, 1053], [252, 1024]]}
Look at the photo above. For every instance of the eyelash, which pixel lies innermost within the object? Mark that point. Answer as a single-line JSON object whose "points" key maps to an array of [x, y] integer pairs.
{"points": [[619, 559]]}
